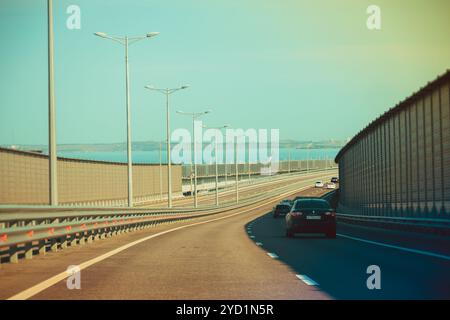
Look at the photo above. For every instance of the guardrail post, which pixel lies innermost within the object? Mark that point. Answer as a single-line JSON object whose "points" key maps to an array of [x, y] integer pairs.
{"points": [[29, 251], [88, 237], [42, 247], [13, 254], [64, 242], [54, 245], [82, 239], [73, 240]]}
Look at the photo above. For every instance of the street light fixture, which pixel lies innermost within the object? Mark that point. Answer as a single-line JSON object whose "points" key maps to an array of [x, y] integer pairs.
{"points": [[215, 160], [126, 41], [167, 92], [194, 116]]}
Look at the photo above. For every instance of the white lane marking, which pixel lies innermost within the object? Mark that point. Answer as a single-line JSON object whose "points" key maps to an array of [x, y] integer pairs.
{"points": [[28, 293], [425, 253], [307, 280], [259, 244], [272, 255], [252, 237]]}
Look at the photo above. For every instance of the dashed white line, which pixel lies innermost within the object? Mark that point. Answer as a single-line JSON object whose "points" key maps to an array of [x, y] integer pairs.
{"points": [[259, 244], [252, 237], [425, 253], [272, 255], [307, 280]]}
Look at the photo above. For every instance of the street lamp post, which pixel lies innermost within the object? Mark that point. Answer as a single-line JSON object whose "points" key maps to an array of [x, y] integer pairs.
{"points": [[216, 163], [249, 171], [167, 92], [225, 172], [127, 41], [160, 171], [289, 160], [307, 160], [53, 181], [308, 147], [237, 173], [194, 116]]}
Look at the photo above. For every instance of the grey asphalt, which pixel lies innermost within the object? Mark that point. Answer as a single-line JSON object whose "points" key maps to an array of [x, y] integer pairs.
{"points": [[222, 260], [339, 265], [215, 260]]}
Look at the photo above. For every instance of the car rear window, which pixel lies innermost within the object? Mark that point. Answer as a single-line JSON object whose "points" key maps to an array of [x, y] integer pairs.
{"points": [[283, 207], [312, 204]]}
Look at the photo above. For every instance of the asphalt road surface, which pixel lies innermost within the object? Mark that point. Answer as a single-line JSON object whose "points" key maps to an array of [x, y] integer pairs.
{"points": [[414, 266], [206, 258], [240, 254]]}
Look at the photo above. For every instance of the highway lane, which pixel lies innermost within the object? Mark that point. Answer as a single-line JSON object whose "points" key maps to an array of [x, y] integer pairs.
{"points": [[211, 260], [245, 190], [339, 265]]}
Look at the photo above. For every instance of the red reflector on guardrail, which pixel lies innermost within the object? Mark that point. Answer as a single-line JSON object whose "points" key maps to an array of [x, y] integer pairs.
{"points": [[51, 230], [4, 238], [83, 226], [30, 233], [68, 228]]}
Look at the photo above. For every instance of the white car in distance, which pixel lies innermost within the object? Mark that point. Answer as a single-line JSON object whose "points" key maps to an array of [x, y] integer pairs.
{"points": [[319, 184]]}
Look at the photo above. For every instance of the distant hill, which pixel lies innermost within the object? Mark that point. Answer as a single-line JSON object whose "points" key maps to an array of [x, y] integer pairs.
{"points": [[154, 145]]}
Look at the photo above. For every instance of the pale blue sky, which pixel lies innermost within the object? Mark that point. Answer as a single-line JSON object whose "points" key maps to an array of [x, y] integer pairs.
{"points": [[310, 68]]}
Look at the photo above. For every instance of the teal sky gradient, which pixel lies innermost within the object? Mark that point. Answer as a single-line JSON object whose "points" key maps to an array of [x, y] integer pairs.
{"points": [[310, 68]]}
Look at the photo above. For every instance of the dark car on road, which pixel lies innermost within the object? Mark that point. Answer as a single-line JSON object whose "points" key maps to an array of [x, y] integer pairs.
{"points": [[281, 209], [300, 197], [287, 201], [334, 180], [313, 215]]}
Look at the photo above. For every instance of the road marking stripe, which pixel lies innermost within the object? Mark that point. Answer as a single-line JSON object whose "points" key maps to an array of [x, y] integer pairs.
{"points": [[272, 255], [252, 237], [307, 280], [259, 244], [28, 293], [425, 253]]}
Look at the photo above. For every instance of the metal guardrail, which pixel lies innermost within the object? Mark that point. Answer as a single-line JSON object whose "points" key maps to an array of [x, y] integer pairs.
{"points": [[399, 221], [264, 180], [26, 233], [433, 225]]}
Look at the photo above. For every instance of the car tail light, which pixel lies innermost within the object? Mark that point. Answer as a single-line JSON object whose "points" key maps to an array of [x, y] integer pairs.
{"points": [[330, 213], [296, 214]]}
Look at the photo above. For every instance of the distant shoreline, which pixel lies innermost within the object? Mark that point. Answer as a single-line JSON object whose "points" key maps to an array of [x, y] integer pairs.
{"points": [[154, 146]]}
